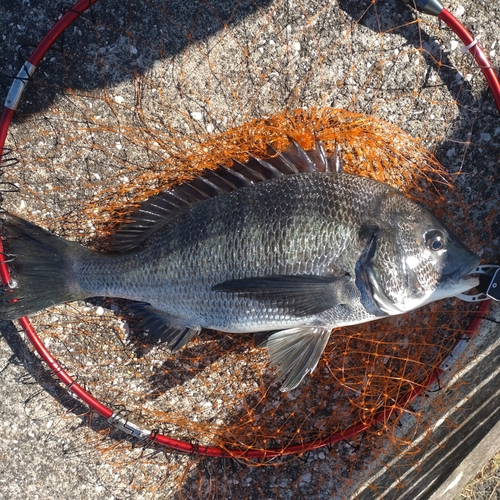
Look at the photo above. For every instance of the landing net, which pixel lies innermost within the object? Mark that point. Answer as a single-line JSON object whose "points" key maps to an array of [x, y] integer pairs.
{"points": [[138, 97]]}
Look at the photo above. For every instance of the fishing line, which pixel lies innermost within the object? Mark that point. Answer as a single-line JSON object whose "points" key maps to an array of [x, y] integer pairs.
{"points": [[117, 418], [492, 320]]}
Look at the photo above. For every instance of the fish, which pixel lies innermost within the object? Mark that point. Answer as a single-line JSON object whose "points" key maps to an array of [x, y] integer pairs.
{"points": [[288, 247]]}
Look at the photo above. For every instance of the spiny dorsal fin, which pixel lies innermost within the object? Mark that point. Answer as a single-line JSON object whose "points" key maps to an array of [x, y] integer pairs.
{"points": [[157, 210]]}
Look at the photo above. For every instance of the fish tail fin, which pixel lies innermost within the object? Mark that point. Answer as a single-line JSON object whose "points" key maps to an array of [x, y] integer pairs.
{"points": [[40, 265]]}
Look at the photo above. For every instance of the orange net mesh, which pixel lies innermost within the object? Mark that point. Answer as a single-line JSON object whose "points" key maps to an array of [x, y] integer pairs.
{"points": [[150, 94]]}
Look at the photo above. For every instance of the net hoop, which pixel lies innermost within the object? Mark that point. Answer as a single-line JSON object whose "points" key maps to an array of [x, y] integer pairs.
{"points": [[114, 418]]}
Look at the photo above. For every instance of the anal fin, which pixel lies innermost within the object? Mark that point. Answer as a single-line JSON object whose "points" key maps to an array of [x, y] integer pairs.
{"points": [[162, 326], [260, 338], [296, 352]]}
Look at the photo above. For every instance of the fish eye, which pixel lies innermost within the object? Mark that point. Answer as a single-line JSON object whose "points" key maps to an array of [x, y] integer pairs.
{"points": [[435, 240]]}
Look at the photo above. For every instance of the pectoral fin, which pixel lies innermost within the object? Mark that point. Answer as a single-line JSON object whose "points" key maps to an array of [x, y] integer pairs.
{"points": [[162, 326], [296, 352], [299, 295]]}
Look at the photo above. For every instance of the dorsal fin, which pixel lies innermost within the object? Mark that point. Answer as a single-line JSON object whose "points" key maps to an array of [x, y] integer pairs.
{"points": [[334, 162], [157, 210]]}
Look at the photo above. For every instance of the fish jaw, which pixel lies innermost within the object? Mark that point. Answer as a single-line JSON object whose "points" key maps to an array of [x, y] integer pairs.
{"points": [[450, 289], [457, 281], [456, 278]]}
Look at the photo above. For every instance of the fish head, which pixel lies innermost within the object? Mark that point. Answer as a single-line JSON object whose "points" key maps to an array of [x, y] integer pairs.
{"points": [[414, 259]]}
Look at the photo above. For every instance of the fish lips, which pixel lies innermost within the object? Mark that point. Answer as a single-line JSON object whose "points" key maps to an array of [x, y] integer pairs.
{"points": [[458, 265], [461, 277]]}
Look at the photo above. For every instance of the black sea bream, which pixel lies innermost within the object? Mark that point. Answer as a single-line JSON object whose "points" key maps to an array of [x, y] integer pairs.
{"points": [[290, 245]]}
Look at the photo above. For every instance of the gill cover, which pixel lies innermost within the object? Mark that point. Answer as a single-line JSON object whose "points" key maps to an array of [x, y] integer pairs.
{"points": [[413, 259]]}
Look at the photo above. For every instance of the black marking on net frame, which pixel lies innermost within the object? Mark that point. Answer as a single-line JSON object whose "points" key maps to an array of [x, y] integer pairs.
{"points": [[86, 13], [438, 382], [22, 57], [7, 161], [74, 381], [151, 444], [195, 449], [304, 457]]}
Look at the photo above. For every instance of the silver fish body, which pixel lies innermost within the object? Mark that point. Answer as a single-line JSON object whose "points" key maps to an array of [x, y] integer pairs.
{"points": [[296, 255], [308, 224]]}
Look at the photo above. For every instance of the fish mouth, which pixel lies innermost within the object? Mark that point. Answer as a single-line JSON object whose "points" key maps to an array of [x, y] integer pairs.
{"points": [[469, 282], [462, 280], [462, 276]]}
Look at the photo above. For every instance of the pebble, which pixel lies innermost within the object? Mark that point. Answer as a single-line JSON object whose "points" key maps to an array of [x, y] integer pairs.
{"points": [[306, 478]]}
